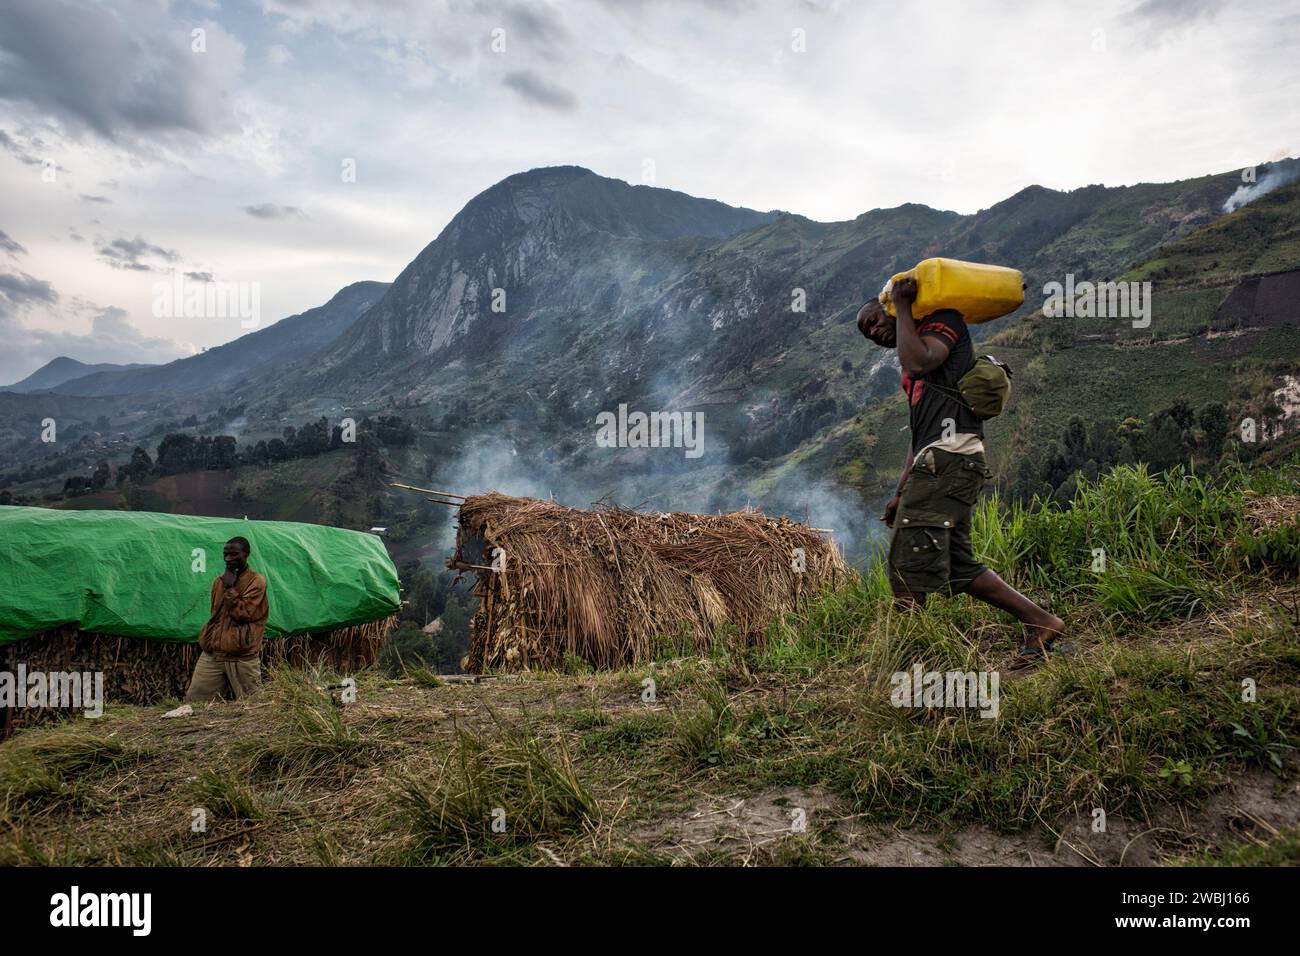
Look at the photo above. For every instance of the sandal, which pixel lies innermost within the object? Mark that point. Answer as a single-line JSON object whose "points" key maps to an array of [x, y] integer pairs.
{"points": [[1055, 645], [1032, 656], [1028, 657]]}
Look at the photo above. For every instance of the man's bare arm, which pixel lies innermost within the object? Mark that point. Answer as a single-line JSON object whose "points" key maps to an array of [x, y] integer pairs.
{"points": [[916, 356], [891, 509], [907, 469]]}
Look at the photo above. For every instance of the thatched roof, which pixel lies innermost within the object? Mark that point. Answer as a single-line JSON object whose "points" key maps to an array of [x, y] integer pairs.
{"points": [[606, 584]]}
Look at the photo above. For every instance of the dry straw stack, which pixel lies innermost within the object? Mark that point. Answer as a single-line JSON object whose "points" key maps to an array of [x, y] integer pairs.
{"points": [[606, 584], [1272, 511]]}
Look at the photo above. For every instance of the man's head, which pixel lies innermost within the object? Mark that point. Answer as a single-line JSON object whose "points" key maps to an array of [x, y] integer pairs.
{"points": [[236, 554], [876, 324]]}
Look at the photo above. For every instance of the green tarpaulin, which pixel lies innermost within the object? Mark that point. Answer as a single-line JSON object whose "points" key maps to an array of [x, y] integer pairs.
{"points": [[140, 574]]}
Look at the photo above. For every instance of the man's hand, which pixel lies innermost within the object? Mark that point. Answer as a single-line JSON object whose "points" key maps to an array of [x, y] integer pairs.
{"points": [[229, 579], [903, 291], [891, 510]]}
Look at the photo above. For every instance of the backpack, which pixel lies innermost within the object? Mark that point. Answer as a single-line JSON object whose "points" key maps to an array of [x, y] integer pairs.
{"points": [[986, 388]]}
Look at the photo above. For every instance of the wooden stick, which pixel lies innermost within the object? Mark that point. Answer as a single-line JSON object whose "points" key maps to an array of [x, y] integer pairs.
{"points": [[487, 634], [466, 566], [427, 491]]}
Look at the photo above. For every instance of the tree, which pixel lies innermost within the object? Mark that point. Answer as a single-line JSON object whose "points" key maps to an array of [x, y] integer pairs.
{"points": [[177, 452], [1074, 442], [138, 468], [369, 464], [257, 454], [77, 485], [1213, 419], [1181, 413], [1132, 431], [390, 429], [1165, 446], [313, 438], [221, 453], [103, 474]]}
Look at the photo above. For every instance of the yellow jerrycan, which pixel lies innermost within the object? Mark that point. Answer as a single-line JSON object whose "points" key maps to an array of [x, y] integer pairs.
{"points": [[979, 292]]}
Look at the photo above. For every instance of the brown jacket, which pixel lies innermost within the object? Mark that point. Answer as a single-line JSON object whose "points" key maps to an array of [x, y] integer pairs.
{"points": [[234, 631]]}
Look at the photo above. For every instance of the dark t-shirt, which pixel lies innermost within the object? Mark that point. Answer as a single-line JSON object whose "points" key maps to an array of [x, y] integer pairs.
{"points": [[928, 407]]}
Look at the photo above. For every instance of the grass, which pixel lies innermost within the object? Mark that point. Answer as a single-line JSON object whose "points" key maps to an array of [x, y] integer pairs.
{"points": [[44, 767], [491, 798], [1187, 676], [311, 738], [1282, 850], [46, 772], [225, 793], [1136, 545], [629, 736], [706, 735], [424, 676]]}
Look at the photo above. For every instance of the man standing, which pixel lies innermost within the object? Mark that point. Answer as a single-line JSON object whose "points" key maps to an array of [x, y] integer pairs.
{"points": [[930, 513], [232, 639]]}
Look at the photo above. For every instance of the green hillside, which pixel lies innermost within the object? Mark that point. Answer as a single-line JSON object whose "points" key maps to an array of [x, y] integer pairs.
{"points": [[1106, 371]]}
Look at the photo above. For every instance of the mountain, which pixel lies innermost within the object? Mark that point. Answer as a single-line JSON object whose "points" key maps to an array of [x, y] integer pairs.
{"points": [[1224, 328], [613, 294], [59, 370], [553, 240], [558, 295], [682, 294], [293, 339]]}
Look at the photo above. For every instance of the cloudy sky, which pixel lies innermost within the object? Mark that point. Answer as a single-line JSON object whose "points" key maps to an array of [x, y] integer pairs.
{"points": [[133, 148]]}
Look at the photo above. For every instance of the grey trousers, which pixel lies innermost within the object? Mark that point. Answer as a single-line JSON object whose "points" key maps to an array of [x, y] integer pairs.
{"points": [[213, 679]]}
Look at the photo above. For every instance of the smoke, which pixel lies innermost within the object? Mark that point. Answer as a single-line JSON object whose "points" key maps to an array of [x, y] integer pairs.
{"points": [[493, 463], [1249, 192], [236, 427], [820, 503], [488, 464], [564, 463]]}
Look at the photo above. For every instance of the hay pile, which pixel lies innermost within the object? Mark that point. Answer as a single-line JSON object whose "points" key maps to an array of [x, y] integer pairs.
{"points": [[606, 584], [140, 671], [1272, 511]]}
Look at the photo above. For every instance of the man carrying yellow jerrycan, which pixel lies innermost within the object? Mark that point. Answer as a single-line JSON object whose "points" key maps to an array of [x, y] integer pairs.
{"points": [[950, 393]]}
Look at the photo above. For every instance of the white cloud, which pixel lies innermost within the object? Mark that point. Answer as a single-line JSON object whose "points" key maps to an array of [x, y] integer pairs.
{"points": [[956, 105], [118, 72], [33, 334]]}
